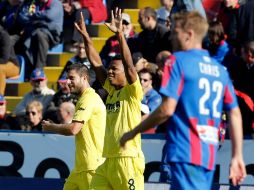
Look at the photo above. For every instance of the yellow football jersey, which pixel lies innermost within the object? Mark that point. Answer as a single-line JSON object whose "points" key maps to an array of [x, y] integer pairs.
{"points": [[123, 114], [90, 110]]}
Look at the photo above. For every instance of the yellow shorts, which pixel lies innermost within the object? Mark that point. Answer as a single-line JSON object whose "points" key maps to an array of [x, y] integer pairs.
{"points": [[124, 173], [79, 181]]}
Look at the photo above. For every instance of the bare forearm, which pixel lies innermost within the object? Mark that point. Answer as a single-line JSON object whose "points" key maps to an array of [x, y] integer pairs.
{"points": [[91, 52], [236, 133], [62, 129], [95, 59], [154, 119], [127, 58]]}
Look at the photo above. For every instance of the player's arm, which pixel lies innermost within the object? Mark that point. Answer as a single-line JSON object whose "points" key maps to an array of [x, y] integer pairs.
{"points": [[116, 27], [91, 52], [237, 167], [160, 115], [62, 129]]}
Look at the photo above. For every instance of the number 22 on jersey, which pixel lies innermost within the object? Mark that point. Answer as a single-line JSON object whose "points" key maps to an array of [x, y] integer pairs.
{"points": [[209, 88]]}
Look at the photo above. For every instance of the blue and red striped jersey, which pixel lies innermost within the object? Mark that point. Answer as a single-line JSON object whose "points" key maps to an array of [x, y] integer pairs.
{"points": [[202, 89]]}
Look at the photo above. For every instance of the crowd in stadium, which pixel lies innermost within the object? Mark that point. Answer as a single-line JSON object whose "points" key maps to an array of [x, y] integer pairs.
{"points": [[31, 28]]}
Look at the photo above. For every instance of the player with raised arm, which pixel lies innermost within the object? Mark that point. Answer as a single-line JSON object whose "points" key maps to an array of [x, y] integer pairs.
{"points": [[124, 167]]}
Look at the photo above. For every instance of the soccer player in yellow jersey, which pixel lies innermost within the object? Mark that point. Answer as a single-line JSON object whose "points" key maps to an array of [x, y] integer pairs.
{"points": [[124, 167], [88, 126]]}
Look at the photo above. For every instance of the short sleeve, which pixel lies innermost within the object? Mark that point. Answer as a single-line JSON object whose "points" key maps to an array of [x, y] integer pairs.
{"points": [[172, 80]]}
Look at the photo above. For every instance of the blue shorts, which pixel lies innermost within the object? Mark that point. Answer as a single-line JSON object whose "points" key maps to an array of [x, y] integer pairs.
{"points": [[190, 177]]}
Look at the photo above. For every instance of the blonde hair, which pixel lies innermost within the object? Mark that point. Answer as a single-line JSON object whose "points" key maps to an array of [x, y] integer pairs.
{"points": [[38, 105], [192, 20]]}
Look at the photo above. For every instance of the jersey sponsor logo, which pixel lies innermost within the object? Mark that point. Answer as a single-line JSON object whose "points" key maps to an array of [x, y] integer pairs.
{"points": [[208, 69], [208, 134], [114, 107]]}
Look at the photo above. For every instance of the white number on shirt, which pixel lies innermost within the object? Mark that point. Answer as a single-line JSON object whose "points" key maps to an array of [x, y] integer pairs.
{"points": [[217, 88]]}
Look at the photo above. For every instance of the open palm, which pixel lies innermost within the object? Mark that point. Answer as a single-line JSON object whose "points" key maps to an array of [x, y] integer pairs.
{"points": [[116, 21]]}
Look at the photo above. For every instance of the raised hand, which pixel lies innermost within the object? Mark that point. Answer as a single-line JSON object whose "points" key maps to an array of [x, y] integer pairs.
{"points": [[80, 26], [116, 21]]}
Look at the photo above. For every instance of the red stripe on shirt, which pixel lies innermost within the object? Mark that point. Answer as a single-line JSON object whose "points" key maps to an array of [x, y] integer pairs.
{"points": [[211, 122], [180, 88], [195, 143], [228, 96], [211, 157], [167, 70]]}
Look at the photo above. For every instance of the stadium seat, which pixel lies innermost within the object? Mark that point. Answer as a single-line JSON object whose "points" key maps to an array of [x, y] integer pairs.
{"points": [[21, 77], [56, 49]]}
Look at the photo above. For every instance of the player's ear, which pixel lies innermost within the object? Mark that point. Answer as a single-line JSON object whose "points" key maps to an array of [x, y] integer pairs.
{"points": [[190, 35]]}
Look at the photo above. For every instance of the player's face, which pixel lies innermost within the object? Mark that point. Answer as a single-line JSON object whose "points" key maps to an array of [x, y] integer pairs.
{"points": [[116, 73], [178, 38], [75, 82]]}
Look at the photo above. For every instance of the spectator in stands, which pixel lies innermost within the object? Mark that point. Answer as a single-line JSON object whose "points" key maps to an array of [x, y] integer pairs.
{"points": [[241, 28], [66, 112], [42, 22], [5, 120], [80, 57], [160, 62], [111, 47], [94, 11], [163, 13], [34, 116], [242, 74], [62, 95], [226, 15], [8, 15], [40, 92], [217, 47], [152, 99], [188, 5], [150, 39], [9, 66]]}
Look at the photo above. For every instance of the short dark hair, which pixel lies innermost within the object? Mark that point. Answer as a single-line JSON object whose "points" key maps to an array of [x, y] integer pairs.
{"points": [[150, 12], [216, 31], [81, 69], [145, 70]]}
